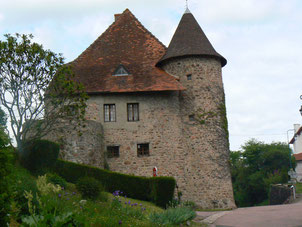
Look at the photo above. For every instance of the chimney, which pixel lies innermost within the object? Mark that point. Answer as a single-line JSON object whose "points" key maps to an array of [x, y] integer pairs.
{"points": [[116, 16]]}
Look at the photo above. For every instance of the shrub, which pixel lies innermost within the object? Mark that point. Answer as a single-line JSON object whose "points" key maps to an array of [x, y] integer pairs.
{"points": [[157, 189], [20, 181], [89, 187], [4, 190], [162, 190], [56, 179], [173, 216], [39, 155], [189, 204], [4, 139], [133, 186]]}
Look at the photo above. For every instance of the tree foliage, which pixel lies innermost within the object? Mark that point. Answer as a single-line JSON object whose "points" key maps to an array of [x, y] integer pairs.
{"points": [[39, 90], [4, 139], [2, 118], [256, 167]]}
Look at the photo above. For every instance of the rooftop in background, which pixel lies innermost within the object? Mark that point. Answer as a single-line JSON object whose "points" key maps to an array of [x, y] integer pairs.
{"points": [[297, 133]]}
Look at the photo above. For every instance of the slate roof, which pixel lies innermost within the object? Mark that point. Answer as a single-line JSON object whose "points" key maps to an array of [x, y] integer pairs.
{"points": [[128, 43], [190, 40]]}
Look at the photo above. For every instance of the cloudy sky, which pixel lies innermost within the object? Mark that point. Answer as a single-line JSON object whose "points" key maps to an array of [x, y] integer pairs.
{"points": [[260, 39]]}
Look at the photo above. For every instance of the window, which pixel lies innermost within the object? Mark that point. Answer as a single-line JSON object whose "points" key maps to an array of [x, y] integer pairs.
{"points": [[109, 112], [189, 77], [191, 117], [143, 149], [132, 112], [121, 71], [113, 151]]}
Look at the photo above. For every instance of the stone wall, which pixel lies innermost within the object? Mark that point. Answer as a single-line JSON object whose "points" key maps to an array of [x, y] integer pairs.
{"points": [[159, 125], [207, 171], [281, 194], [186, 131], [80, 145]]}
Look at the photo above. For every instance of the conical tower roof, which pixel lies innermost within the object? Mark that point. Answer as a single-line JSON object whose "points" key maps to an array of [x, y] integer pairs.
{"points": [[190, 40]]}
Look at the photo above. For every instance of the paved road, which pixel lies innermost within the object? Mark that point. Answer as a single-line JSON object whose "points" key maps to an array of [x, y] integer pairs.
{"points": [[289, 215]]}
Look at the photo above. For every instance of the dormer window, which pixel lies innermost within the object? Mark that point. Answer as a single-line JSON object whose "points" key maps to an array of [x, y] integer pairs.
{"points": [[121, 71]]}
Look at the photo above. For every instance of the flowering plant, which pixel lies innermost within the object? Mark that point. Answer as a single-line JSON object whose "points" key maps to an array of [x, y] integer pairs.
{"points": [[46, 214]]}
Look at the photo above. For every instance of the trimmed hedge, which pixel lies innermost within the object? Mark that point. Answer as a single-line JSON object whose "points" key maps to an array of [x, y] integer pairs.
{"points": [[40, 155], [159, 190], [163, 190]]}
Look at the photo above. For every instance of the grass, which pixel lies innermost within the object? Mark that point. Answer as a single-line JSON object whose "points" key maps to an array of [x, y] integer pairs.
{"points": [[299, 188], [150, 207], [263, 203], [111, 211]]}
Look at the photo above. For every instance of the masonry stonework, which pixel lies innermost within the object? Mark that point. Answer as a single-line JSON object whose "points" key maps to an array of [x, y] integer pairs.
{"points": [[207, 171], [81, 145], [182, 115]]}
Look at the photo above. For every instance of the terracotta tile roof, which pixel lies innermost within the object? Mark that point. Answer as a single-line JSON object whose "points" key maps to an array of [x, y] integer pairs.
{"points": [[190, 40], [128, 43], [298, 156]]}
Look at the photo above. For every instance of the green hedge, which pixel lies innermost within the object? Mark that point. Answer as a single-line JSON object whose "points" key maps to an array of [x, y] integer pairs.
{"points": [[40, 155], [162, 190], [159, 190]]}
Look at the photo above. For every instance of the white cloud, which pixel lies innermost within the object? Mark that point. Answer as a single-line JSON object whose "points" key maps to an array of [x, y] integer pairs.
{"points": [[260, 39]]}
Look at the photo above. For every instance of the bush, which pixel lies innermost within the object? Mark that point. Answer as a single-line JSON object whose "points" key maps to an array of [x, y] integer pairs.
{"points": [[89, 187], [56, 179], [4, 190], [132, 186], [173, 216], [4, 139], [20, 181], [162, 190], [157, 189], [189, 204], [39, 155]]}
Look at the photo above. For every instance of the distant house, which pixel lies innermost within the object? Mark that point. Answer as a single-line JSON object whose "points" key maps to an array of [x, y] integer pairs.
{"points": [[299, 166], [297, 143]]}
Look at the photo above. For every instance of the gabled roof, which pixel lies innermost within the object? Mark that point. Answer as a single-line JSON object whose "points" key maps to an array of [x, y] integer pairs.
{"points": [[292, 141], [190, 40], [298, 156], [126, 42]]}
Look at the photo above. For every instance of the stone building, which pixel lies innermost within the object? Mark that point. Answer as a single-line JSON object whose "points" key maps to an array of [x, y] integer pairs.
{"points": [[155, 106]]}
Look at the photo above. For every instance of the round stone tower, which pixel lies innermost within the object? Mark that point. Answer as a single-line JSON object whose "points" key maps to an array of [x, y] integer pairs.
{"points": [[192, 59]]}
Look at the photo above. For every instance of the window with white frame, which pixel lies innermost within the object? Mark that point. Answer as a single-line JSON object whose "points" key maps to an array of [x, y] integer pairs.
{"points": [[109, 113], [133, 112]]}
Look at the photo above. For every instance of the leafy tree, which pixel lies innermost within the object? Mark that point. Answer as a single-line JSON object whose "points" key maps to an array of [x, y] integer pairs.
{"points": [[38, 90], [4, 139], [2, 118], [256, 167]]}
